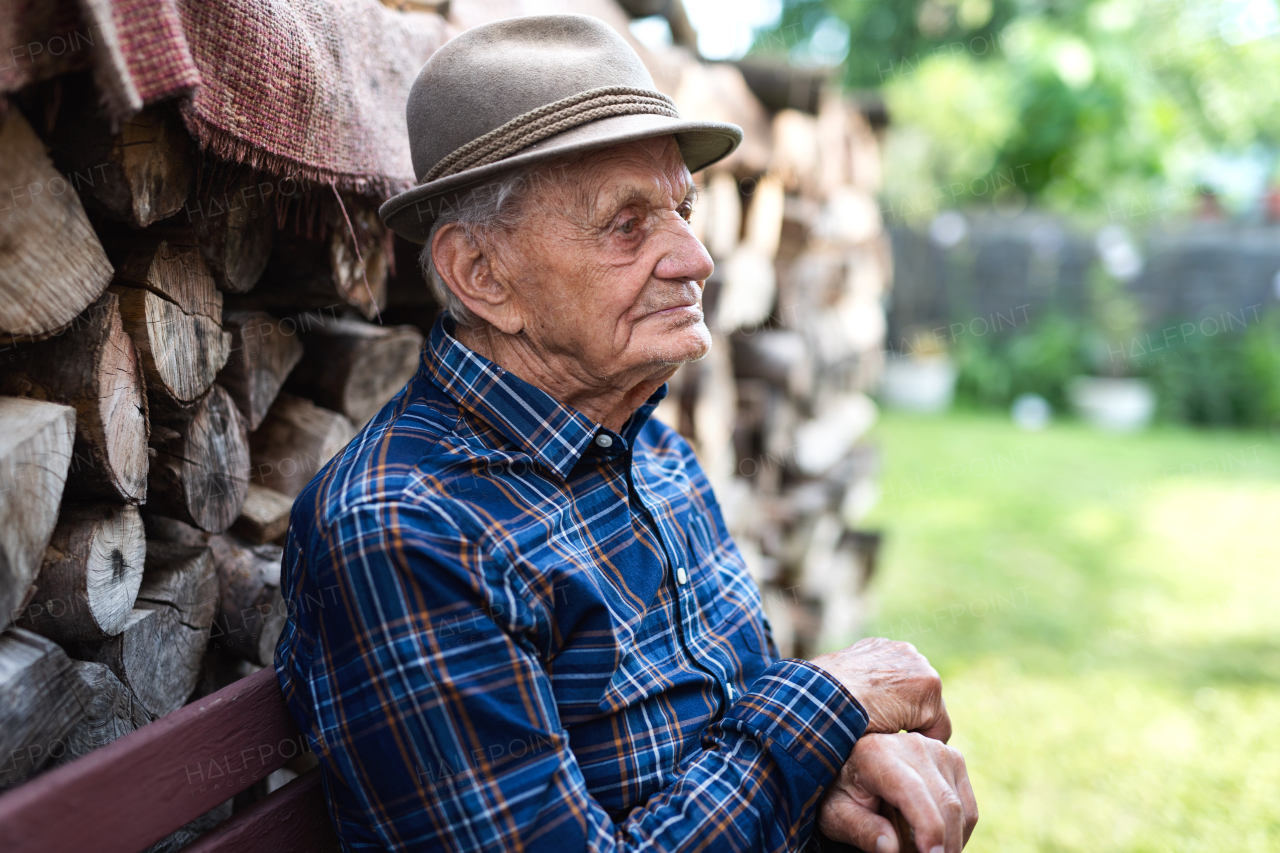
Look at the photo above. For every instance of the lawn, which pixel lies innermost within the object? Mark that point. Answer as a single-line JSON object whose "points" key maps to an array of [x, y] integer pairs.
{"points": [[1105, 613]]}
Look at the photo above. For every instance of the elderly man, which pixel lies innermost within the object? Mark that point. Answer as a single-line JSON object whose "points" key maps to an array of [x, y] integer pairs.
{"points": [[519, 621]]}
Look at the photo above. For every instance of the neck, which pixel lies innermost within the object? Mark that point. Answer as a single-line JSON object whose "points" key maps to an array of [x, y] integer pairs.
{"points": [[607, 399]]}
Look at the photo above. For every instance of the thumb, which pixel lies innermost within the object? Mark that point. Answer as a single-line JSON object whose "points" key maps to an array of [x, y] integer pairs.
{"points": [[855, 824], [939, 728]]}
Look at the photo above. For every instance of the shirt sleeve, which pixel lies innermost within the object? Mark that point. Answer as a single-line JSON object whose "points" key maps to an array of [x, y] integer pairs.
{"points": [[437, 728]]}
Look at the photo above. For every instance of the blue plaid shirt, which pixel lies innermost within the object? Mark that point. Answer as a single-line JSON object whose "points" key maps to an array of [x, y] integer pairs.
{"points": [[514, 629]]}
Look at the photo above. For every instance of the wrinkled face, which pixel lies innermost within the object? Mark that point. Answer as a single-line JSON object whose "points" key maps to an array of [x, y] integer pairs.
{"points": [[604, 267]]}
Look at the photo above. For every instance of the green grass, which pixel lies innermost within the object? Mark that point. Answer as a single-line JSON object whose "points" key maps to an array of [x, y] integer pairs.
{"points": [[1105, 613]]}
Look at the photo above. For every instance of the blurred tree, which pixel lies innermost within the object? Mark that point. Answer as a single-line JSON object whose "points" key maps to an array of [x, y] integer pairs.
{"points": [[891, 36], [1099, 108]]}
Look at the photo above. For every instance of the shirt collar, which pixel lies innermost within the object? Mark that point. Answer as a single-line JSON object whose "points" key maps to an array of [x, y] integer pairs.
{"points": [[555, 434]]}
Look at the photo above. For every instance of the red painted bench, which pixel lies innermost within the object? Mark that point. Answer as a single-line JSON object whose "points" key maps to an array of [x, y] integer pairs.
{"points": [[139, 789]]}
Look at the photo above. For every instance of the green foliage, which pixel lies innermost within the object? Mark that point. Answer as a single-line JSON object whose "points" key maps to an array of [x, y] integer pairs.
{"points": [[892, 36], [1231, 379], [1040, 359], [1223, 380], [1095, 105]]}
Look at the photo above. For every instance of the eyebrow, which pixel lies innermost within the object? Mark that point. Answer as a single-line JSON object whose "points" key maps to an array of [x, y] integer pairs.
{"points": [[625, 196]]}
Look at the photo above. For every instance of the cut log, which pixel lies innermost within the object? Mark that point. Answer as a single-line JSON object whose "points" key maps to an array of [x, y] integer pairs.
{"points": [[262, 354], [295, 440], [41, 700], [409, 297], [220, 669], [717, 92], [778, 356], [265, 515], [328, 275], [823, 441], [251, 612], [54, 266], [236, 229], [833, 142], [92, 570], [95, 368], [354, 367], [765, 215], [181, 353], [183, 838], [360, 278], [112, 712], [173, 270], [850, 217], [722, 208], [157, 655], [165, 529], [781, 86], [35, 450], [750, 289], [795, 151], [201, 471], [141, 174]]}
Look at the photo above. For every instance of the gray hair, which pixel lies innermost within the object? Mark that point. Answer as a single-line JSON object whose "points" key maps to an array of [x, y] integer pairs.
{"points": [[493, 206]]}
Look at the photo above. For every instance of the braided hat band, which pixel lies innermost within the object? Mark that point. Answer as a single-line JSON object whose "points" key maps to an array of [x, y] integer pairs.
{"points": [[546, 121]]}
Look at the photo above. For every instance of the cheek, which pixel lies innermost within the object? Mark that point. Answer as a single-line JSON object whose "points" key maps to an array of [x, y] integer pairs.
{"points": [[617, 297]]}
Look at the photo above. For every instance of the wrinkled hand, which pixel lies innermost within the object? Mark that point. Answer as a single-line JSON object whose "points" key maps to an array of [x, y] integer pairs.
{"points": [[924, 778], [895, 684]]}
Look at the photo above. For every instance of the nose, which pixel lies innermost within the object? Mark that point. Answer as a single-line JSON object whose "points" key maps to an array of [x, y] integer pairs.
{"points": [[684, 257]]}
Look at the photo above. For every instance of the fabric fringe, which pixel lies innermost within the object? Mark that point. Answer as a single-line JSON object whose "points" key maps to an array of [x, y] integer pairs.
{"points": [[227, 146]]}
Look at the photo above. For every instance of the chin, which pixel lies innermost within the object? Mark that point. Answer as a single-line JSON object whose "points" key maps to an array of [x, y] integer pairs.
{"points": [[687, 342]]}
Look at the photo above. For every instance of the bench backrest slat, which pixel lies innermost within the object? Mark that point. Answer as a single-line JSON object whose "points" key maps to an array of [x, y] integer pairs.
{"points": [[134, 791], [293, 819]]}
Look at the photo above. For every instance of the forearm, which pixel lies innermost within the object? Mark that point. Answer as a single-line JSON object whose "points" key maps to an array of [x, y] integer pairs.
{"points": [[762, 771]]}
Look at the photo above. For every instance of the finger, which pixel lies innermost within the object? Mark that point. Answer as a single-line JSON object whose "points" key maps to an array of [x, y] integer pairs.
{"points": [[951, 765], [855, 824], [965, 790], [905, 788], [939, 728], [949, 805]]}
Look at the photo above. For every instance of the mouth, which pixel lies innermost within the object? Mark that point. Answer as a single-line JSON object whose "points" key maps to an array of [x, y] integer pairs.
{"points": [[689, 307], [684, 315], [692, 306]]}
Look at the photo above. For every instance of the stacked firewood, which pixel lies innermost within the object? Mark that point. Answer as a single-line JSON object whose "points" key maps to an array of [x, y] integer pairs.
{"points": [[779, 410], [185, 343]]}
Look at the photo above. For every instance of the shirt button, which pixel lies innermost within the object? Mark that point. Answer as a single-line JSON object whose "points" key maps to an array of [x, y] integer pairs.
{"points": [[604, 440], [682, 577]]}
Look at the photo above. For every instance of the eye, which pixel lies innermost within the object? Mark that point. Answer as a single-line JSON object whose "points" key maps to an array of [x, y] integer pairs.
{"points": [[685, 210], [628, 226]]}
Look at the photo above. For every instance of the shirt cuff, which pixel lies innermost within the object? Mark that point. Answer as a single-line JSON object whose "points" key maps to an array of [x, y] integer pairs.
{"points": [[806, 713]]}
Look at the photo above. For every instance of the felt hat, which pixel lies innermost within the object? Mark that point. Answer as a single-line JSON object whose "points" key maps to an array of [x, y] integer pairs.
{"points": [[524, 90]]}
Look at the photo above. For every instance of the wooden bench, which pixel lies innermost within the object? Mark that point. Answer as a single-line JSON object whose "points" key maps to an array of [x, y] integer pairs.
{"points": [[139, 789]]}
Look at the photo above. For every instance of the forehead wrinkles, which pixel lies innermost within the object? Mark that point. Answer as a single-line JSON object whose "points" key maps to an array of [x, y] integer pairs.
{"points": [[651, 171]]}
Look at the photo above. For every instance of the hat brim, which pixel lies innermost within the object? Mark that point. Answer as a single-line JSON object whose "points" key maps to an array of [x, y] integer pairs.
{"points": [[702, 143]]}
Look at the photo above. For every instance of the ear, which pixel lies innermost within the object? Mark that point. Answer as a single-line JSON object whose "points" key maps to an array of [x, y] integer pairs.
{"points": [[466, 268]]}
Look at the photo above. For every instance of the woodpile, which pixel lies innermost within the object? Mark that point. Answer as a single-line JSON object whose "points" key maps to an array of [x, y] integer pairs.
{"points": [[184, 344], [182, 347]]}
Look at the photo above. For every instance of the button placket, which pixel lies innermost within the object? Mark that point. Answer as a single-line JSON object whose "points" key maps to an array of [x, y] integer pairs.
{"points": [[686, 597]]}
